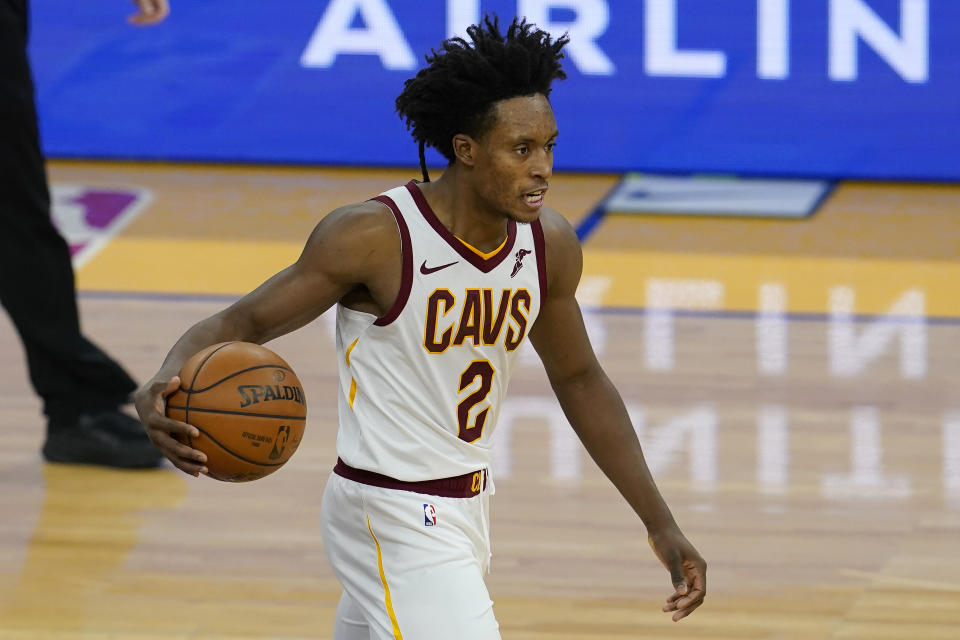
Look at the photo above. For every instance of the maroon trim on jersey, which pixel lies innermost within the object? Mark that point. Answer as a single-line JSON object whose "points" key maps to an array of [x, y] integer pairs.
{"points": [[406, 275], [465, 486], [540, 246], [484, 264]]}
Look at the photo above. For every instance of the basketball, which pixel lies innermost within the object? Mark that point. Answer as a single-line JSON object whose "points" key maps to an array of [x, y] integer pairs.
{"points": [[248, 405]]}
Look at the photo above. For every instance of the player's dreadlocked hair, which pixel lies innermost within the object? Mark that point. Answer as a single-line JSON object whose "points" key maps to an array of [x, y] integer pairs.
{"points": [[455, 93]]}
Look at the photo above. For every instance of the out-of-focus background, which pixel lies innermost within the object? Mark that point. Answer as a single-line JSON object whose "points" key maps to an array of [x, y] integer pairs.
{"points": [[767, 195]]}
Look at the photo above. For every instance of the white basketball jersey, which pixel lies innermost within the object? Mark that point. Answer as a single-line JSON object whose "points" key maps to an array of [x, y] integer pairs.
{"points": [[421, 387]]}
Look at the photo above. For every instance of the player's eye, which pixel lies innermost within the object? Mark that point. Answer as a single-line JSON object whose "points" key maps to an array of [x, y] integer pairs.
{"points": [[551, 146], [521, 150]]}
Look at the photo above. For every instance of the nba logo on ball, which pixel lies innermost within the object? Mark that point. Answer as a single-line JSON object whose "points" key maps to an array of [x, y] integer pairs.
{"points": [[429, 515]]}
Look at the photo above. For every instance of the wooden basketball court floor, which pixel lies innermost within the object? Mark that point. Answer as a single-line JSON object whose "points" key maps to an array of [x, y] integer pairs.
{"points": [[794, 384]]}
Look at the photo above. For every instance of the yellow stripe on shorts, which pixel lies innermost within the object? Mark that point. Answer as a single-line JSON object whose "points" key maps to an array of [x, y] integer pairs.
{"points": [[353, 381], [349, 349], [386, 588]]}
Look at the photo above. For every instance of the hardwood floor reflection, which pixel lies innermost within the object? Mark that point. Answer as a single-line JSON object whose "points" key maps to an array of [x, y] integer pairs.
{"points": [[827, 506]]}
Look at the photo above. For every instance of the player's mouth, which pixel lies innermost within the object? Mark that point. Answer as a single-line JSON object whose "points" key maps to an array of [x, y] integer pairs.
{"points": [[534, 199]]}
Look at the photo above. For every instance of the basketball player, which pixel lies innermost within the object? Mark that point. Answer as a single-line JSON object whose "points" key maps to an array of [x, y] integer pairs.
{"points": [[437, 284], [82, 387]]}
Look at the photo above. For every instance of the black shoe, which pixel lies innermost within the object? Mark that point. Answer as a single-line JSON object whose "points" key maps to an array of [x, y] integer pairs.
{"points": [[109, 439]]}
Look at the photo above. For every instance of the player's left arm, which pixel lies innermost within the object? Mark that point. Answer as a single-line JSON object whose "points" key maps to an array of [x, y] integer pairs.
{"points": [[596, 411]]}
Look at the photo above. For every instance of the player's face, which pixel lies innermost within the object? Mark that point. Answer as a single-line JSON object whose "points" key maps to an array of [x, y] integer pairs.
{"points": [[515, 157]]}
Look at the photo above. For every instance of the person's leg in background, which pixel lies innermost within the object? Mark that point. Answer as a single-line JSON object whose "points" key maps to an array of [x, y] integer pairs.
{"points": [[81, 386]]}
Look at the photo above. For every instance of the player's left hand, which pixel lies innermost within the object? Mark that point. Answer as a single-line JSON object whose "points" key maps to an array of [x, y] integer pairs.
{"points": [[688, 571], [149, 12]]}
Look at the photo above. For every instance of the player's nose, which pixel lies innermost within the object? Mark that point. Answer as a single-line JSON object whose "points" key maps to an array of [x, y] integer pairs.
{"points": [[542, 167]]}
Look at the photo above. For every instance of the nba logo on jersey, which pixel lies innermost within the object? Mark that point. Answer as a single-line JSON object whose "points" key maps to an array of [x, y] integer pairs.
{"points": [[429, 515]]}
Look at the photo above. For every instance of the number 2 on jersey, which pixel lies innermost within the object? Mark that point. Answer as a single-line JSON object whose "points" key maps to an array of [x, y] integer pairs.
{"points": [[478, 369]]}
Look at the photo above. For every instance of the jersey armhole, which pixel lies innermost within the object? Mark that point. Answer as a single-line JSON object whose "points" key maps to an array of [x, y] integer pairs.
{"points": [[406, 275], [540, 246]]}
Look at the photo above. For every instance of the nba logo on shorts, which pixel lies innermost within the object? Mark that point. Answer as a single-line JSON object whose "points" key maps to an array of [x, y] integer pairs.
{"points": [[429, 515]]}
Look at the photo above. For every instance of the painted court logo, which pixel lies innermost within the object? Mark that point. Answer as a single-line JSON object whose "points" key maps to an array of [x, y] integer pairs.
{"points": [[429, 515], [89, 216]]}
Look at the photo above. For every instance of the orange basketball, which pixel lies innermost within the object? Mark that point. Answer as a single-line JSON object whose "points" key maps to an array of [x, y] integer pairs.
{"points": [[248, 405]]}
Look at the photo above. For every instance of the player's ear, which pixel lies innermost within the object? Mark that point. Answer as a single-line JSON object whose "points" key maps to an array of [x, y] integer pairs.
{"points": [[463, 148]]}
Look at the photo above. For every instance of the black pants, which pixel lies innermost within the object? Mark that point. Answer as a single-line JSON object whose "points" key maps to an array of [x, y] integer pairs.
{"points": [[37, 287]]}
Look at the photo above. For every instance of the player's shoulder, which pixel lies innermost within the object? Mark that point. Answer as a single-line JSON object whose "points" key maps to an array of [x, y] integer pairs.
{"points": [[358, 232], [559, 235], [370, 214], [556, 227], [367, 222]]}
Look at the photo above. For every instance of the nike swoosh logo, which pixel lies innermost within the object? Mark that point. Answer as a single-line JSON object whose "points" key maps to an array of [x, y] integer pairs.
{"points": [[425, 270]]}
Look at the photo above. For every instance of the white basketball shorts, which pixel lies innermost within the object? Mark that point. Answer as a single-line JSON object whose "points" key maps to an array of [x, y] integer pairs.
{"points": [[411, 564]]}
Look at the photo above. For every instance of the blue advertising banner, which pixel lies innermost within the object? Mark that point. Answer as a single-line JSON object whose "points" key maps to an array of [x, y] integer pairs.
{"points": [[818, 88]]}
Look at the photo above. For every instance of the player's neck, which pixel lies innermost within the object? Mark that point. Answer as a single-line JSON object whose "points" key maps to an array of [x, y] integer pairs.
{"points": [[461, 210]]}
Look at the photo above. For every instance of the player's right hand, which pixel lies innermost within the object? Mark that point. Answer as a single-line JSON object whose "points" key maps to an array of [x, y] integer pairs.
{"points": [[150, 401]]}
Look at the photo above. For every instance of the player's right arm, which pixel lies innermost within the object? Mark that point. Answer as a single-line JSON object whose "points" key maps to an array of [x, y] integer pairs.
{"points": [[354, 251]]}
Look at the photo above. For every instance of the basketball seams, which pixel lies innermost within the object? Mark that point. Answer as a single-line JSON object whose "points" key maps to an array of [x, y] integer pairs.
{"points": [[186, 409], [241, 413], [236, 373], [237, 455]]}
